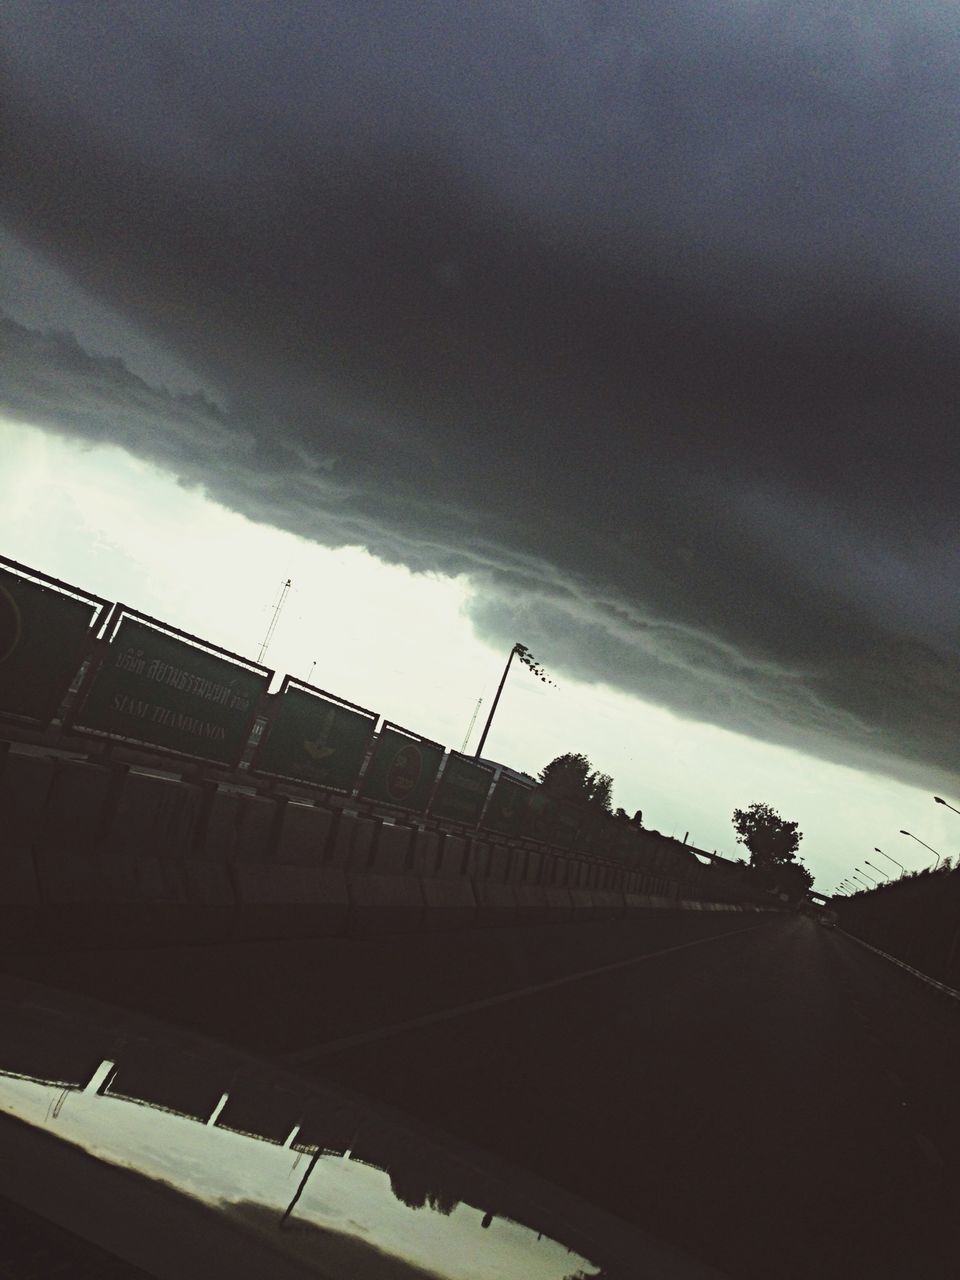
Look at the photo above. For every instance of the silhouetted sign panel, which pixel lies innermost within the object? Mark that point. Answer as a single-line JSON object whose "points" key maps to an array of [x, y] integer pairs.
{"points": [[507, 809], [44, 633], [568, 818], [551, 819], [609, 837], [596, 833], [462, 790], [539, 820], [402, 769], [315, 738], [158, 688]]}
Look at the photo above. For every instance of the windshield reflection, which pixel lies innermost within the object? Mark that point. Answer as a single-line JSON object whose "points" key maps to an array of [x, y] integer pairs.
{"points": [[324, 1177]]}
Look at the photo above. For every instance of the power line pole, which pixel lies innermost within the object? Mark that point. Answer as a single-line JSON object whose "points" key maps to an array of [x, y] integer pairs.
{"points": [[273, 621]]}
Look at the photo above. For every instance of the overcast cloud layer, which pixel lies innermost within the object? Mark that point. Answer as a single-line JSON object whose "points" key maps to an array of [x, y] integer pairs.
{"points": [[648, 321]]}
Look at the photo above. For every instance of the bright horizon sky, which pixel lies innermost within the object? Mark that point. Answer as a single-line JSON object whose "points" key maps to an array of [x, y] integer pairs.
{"points": [[401, 644]]}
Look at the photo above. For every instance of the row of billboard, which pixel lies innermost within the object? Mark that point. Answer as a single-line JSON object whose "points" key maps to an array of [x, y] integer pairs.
{"points": [[146, 684]]}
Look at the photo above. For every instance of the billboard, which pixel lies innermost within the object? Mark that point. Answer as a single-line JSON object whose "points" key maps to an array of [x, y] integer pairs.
{"points": [[540, 816], [507, 809], [315, 737], [158, 687], [462, 790], [568, 819], [45, 629], [402, 769]]}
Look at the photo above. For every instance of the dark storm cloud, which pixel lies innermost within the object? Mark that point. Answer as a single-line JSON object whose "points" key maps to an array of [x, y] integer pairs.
{"points": [[647, 322]]}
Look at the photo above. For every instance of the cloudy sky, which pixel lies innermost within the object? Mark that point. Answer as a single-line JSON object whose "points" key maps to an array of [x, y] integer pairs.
{"points": [[627, 331]]}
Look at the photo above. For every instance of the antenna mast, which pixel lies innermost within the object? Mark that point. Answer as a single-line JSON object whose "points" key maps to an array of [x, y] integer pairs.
{"points": [[273, 621], [473, 721]]}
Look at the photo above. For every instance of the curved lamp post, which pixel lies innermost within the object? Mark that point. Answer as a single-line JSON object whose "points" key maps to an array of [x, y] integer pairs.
{"points": [[867, 874], [865, 887], [925, 845], [939, 800], [526, 657], [893, 860], [882, 872]]}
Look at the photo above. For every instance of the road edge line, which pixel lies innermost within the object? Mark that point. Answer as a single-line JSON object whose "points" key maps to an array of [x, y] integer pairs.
{"points": [[902, 964], [327, 1048]]}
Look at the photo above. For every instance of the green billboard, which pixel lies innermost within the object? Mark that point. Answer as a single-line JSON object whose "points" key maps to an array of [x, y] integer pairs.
{"points": [[402, 769], [313, 737], [540, 816], [159, 689], [568, 818], [44, 634], [462, 790], [507, 809]]}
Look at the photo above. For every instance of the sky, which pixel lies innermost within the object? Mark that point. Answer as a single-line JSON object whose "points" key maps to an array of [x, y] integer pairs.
{"points": [[627, 332]]}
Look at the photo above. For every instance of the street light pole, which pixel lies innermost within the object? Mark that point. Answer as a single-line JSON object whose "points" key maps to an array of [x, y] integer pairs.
{"points": [[880, 869], [486, 728], [893, 860], [925, 845], [944, 803], [526, 657], [865, 887], [868, 875]]}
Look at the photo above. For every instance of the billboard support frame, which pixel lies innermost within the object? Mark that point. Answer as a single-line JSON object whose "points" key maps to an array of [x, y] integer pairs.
{"points": [[102, 610], [304, 686], [450, 755], [415, 738], [117, 614]]}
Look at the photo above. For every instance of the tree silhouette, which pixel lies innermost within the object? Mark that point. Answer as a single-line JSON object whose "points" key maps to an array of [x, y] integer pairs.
{"points": [[772, 840], [773, 843], [573, 777]]}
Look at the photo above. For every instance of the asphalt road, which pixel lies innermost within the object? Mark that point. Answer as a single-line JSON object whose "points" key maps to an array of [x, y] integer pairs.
{"points": [[778, 1100], [766, 1094]]}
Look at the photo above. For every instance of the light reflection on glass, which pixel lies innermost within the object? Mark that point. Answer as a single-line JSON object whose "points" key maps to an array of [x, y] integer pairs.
{"points": [[347, 1209]]}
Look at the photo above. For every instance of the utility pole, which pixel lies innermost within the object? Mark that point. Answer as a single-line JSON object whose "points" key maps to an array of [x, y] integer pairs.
{"points": [[273, 621]]}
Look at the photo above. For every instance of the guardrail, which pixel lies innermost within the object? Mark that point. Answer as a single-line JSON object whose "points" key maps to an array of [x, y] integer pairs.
{"points": [[73, 666], [140, 740], [96, 853]]}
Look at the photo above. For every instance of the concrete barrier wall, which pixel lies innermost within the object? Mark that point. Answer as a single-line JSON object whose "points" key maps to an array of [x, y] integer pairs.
{"points": [[305, 834], [97, 854], [154, 815]]}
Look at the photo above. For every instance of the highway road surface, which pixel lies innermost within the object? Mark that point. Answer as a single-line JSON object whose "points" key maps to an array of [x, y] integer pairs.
{"points": [[779, 1100], [765, 1094]]}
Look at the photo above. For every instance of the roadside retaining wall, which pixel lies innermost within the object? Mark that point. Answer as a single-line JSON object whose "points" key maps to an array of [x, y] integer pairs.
{"points": [[916, 919], [95, 854]]}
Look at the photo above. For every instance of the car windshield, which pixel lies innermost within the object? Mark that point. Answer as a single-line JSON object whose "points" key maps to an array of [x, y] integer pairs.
{"points": [[477, 572]]}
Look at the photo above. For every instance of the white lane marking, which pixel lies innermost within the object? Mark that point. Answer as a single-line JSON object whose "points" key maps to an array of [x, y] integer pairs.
{"points": [[931, 982], [328, 1047]]}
